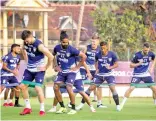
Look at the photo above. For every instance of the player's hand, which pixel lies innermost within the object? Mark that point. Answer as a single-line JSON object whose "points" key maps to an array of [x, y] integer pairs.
{"points": [[97, 71], [74, 69], [15, 72], [140, 62], [108, 67], [89, 76], [57, 69], [151, 70], [42, 68]]}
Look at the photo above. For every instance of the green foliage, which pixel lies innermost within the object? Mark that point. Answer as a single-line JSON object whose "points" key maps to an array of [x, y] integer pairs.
{"points": [[125, 31]]}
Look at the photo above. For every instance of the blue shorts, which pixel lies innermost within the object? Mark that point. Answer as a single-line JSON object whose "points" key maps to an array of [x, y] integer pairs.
{"points": [[30, 76], [8, 80], [137, 80], [100, 79], [67, 78], [78, 84], [84, 73]]}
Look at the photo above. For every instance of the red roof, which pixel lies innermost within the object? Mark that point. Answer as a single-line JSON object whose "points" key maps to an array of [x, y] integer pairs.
{"points": [[72, 9]]}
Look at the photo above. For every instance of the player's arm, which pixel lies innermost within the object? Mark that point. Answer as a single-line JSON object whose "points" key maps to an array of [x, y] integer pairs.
{"points": [[115, 65], [153, 63], [96, 63], [47, 53], [134, 63], [24, 53], [18, 65], [87, 70], [4, 66], [56, 67], [115, 62], [83, 57]]}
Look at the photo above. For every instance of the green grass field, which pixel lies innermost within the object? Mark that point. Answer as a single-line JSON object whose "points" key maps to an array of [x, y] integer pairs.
{"points": [[135, 109]]}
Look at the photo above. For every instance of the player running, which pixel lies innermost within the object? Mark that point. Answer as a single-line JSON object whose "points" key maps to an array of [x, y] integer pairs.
{"points": [[67, 69], [79, 88], [105, 62], [34, 52], [141, 63], [91, 51]]}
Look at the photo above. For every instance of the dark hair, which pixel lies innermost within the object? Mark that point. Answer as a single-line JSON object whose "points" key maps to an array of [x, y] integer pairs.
{"points": [[95, 36], [63, 35], [103, 43], [13, 46], [25, 34], [146, 45]]}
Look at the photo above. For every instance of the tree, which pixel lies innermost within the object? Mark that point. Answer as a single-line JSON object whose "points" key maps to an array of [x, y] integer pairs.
{"points": [[126, 30]]}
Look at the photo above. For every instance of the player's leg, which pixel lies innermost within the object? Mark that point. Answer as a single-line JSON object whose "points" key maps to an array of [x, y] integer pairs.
{"points": [[135, 80], [111, 82], [4, 81], [39, 78], [58, 81], [15, 91], [17, 95], [6, 97], [95, 96], [154, 98], [70, 81], [78, 84], [12, 93], [153, 87], [99, 97], [95, 90], [55, 101], [97, 80], [27, 77]]}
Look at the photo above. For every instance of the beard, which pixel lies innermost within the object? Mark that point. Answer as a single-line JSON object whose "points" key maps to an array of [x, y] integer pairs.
{"points": [[64, 46]]}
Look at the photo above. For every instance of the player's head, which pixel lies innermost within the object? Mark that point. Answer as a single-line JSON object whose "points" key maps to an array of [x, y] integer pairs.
{"points": [[95, 40], [146, 48], [27, 37], [104, 47], [64, 39], [15, 48]]}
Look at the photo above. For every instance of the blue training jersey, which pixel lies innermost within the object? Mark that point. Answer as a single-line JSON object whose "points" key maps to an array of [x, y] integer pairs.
{"points": [[145, 59], [90, 53], [104, 61], [12, 63], [35, 57], [66, 58]]}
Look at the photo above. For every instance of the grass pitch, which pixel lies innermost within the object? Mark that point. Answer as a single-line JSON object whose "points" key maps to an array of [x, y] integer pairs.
{"points": [[135, 109]]}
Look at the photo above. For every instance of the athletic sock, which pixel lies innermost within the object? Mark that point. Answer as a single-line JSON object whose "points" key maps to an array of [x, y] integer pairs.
{"points": [[27, 103], [62, 104], [116, 99]]}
